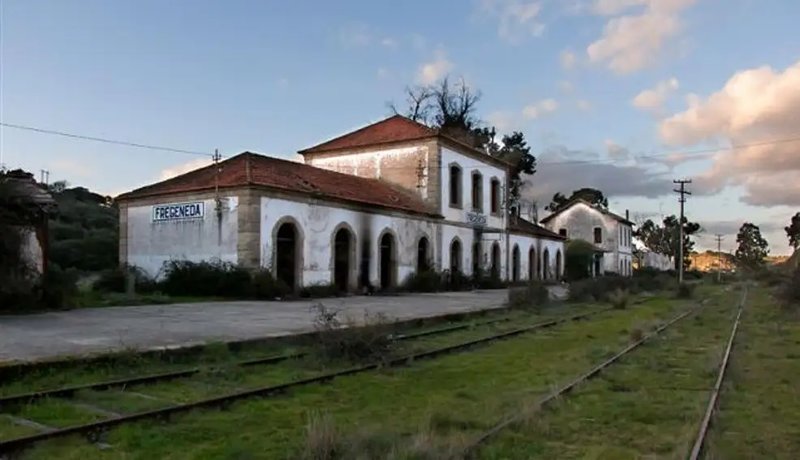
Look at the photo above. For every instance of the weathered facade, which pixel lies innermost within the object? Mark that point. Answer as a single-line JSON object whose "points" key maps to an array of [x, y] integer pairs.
{"points": [[580, 220], [367, 210]]}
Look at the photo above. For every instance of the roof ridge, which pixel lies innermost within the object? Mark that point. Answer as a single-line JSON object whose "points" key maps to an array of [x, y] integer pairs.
{"points": [[429, 132]]}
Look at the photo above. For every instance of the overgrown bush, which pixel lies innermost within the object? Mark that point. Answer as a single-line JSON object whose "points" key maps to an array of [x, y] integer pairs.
{"points": [[339, 338], [650, 279], [116, 280], [619, 299], [534, 296], [267, 287], [598, 289], [579, 255], [214, 278], [789, 292], [424, 281], [481, 280], [319, 291], [685, 291], [456, 281]]}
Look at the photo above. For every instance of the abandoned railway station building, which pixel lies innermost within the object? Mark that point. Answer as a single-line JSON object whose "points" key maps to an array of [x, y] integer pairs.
{"points": [[365, 210]]}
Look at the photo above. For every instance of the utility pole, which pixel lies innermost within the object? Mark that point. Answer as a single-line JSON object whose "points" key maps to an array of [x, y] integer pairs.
{"points": [[44, 176], [719, 257], [683, 192]]}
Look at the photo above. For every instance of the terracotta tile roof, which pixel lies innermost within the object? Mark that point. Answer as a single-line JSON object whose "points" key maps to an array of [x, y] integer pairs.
{"points": [[258, 170], [593, 206], [396, 128], [520, 225]]}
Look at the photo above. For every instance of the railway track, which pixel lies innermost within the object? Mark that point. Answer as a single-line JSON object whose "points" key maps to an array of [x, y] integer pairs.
{"points": [[479, 441], [93, 429]]}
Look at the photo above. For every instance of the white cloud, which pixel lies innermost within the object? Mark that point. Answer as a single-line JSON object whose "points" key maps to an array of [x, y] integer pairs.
{"points": [[583, 105], [183, 168], [566, 86], [653, 100], [634, 41], [383, 73], [568, 59], [434, 70], [616, 151], [517, 18], [755, 108], [504, 121], [539, 109], [389, 42]]}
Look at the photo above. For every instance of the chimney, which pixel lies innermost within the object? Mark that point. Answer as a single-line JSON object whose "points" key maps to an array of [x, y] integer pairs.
{"points": [[627, 215]]}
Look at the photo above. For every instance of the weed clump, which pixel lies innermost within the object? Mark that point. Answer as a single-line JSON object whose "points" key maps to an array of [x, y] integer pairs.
{"points": [[789, 291], [351, 340], [619, 299], [685, 291], [534, 296]]}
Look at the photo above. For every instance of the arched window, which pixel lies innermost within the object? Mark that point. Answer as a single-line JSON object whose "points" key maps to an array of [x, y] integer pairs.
{"points": [[287, 254], [343, 259], [558, 264], [455, 256], [476, 258], [387, 264], [477, 191], [495, 195], [515, 263], [546, 264], [531, 264], [455, 186], [422, 255]]}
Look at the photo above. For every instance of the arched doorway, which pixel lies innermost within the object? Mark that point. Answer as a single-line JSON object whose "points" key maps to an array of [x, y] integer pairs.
{"points": [[422, 255], [342, 259], [496, 261], [531, 264], [286, 254], [546, 264], [515, 264], [558, 264], [455, 256], [476, 258], [386, 264]]}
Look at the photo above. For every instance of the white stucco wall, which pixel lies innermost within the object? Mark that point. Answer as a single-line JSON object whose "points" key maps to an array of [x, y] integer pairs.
{"points": [[31, 251], [580, 220], [468, 165], [150, 243], [318, 222], [525, 243]]}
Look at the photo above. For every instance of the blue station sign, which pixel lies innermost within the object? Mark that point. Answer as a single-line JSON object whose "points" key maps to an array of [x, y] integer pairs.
{"points": [[178, 211]]}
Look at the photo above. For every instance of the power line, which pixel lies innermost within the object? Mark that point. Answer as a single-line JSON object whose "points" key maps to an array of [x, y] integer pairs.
{"points": [[104, 140]]}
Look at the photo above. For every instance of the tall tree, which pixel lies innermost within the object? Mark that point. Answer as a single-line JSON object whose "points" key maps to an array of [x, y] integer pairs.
{"points": [[665, 238], [793, 231], [753, 248], [515, 151], [592, 195]]}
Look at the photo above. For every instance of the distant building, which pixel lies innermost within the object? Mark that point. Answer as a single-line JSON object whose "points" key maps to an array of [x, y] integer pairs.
{"points": [[23, 196], [365, 211], [609, 232]]}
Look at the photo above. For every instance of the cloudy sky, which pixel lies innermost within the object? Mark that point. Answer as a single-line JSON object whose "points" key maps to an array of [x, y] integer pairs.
{"points": [[622, 95]]}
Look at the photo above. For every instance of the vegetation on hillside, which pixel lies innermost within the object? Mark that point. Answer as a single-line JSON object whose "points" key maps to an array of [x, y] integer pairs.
{"points": [[665, 238]]}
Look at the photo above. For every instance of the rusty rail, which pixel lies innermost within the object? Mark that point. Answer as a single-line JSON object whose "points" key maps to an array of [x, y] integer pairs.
{"points": [[20, 443], [702, 432]]}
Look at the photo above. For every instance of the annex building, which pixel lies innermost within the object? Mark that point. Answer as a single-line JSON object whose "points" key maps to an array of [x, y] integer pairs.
{"points": [[364, 210]]}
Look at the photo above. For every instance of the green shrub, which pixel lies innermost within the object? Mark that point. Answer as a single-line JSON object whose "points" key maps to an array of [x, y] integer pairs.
{"points": [[789, 291], [116, 280], [266, 287], [214, 278], [318, 291], [456, 281], [685, 291], [424, 281], [578, 258], [348, 339], [58, 288], [481, 280], [619, 299], [598, 289], [533, 295]]}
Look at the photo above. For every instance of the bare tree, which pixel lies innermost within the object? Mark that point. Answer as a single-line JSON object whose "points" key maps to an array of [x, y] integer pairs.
{"points": [[418, 103]]}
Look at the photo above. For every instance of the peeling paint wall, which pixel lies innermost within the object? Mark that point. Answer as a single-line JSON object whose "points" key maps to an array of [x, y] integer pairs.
{"points": [[317, 222], [580, 220], [149, 244]]}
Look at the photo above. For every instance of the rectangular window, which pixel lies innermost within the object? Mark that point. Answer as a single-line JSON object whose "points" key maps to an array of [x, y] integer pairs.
{"points": [[455, 186], [598, 235], [477, 192], [562, 232], [495, 195]]}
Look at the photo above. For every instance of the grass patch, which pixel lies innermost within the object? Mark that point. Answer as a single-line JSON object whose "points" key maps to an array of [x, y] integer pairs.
{"points": [[467, 388]]}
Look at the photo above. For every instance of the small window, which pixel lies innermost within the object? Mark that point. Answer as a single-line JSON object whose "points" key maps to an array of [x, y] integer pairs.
{"points": [[562, 232], [495, 192], [455, 186], [477, 191], [598, 235]]}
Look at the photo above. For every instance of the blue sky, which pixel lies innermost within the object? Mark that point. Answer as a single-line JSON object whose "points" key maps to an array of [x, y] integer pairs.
{"points": [[275, 77]]}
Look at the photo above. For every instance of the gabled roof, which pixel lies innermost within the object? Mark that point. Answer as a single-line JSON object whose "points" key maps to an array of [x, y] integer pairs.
{"points": [[595, 207], [393, 130], [520, 225], [250, 169], [396, 128]]}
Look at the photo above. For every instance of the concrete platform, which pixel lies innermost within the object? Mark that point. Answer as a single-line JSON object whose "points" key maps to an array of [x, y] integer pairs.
{"points": [[97, 330]]}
